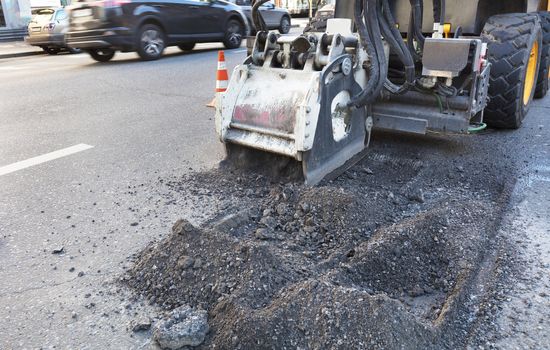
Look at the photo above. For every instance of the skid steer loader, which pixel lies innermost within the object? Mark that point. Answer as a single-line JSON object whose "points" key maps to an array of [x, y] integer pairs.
{"points": [[403, 65]]}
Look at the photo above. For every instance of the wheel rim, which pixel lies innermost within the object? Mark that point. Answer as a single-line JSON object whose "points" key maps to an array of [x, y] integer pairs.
{"points": [[152, 42], [234, 34], [286, 25], [531, 73]]}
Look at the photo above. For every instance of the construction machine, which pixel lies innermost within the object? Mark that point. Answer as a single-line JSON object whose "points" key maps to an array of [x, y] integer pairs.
{"points": [[447, 66]]}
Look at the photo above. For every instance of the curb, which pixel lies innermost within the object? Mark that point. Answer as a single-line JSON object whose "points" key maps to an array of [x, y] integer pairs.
{"points": [[21, 54]]}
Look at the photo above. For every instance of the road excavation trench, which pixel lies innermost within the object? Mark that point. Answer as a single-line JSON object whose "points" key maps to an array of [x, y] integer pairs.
{"points": [[396, 253]]}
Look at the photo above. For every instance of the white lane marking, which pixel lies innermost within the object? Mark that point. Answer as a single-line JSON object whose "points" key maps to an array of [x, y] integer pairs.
{"points": [[12, 68], [43, 158], [237, 51]]}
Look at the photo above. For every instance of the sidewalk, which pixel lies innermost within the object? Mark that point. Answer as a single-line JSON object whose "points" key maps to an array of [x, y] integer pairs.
{"points": [[18, 49]]}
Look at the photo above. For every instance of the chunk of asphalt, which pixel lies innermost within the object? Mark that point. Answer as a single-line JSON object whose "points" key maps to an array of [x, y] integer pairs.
{"points": [[58, 250], [185, 326]]}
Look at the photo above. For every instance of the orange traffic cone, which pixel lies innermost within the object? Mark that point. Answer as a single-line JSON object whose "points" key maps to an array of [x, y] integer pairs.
{"points": [[222, 77]]}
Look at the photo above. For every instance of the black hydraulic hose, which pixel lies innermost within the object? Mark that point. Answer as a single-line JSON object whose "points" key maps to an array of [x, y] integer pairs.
{"points": [[394, 39], [442, 12], [257, 17], [458, 32], [415, 29], [410, 38], [393, 25], [439, 11], [370, 16], [418, 12], [373, 22], [394, 45], [366, 95]]}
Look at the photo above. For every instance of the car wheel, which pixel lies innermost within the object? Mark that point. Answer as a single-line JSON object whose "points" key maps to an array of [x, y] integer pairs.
{"points": [[186, 46], [151, 42], [74, 51], [284, 28], [233, 34], [52, 50], [102, 55]]}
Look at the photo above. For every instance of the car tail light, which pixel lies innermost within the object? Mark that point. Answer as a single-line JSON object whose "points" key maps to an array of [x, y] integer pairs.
{"points": [[115, 3], [49, 27]]}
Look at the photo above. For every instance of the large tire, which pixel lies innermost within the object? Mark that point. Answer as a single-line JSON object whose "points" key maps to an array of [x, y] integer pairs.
{"points": [[284, 26], [150, 42], [233, 34], [512, 39], [102, 55], [544, 72]]}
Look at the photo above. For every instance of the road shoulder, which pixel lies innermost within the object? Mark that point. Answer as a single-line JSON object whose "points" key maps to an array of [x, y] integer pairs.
{"points": [[523, 321], [18, 49]]}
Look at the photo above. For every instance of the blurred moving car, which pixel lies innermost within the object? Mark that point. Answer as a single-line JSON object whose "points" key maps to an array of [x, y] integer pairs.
{"points": [[148, 26], [299, 7], [274, 17], [319, 22], [47, 29]]}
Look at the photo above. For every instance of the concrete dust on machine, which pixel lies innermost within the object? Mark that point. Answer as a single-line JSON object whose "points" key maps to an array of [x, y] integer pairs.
{"points": [[316, 97]]}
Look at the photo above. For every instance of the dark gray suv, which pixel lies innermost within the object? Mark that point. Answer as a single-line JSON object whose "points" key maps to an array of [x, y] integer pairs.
{"points": [[148, 26], [274, 17]]}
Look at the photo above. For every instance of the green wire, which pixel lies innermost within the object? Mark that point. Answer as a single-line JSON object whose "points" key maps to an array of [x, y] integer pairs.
{"points": [[475, 128], [439, 103]]}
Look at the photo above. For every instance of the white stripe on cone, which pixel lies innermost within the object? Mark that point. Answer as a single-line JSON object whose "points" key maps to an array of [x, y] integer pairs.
{"points": [[221, 84], [221, 65]]}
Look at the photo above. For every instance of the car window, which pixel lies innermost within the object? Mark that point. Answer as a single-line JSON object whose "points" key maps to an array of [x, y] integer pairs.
{"points": [[268, 4], [43, 15], [61, 15], [43, 11]]}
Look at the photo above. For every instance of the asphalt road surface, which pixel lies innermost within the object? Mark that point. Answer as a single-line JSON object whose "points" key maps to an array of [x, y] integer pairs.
{"points": [[70, 219], [143, 120]]}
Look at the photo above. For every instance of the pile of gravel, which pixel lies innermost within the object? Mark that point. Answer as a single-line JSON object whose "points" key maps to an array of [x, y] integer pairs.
{"points": [[383, 257]]}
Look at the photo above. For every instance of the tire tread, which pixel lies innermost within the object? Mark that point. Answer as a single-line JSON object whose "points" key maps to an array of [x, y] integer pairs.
{"points": [[509, 39], [543, 81]]}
